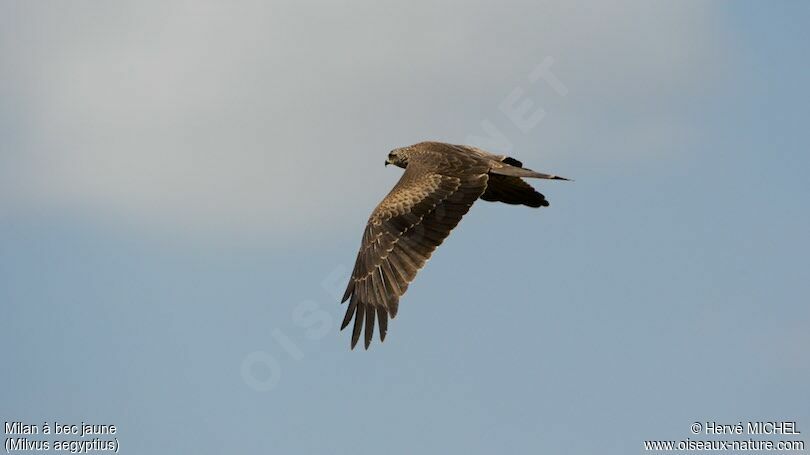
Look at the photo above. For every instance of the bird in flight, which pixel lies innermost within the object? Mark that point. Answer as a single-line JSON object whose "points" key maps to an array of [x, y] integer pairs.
{"points": [[440, 183]]}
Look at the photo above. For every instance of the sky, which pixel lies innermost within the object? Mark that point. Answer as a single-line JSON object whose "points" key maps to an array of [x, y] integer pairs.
{"points": [[183, 187]]}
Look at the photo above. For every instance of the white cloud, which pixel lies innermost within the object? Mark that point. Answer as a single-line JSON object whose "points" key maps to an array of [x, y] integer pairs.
{"points": [[251, 117]]}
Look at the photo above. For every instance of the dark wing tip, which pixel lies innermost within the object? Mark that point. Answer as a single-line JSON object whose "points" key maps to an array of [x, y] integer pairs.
{"points": [[382, 322], [538, 204], [358, 323], [349, 290], [369, 333], [349, 312], [364, 316]]}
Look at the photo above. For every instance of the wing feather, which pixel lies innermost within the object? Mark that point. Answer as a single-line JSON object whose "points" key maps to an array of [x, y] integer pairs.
{"points": [[370, 313], [358, 322], [350, 311], [382, 321]]}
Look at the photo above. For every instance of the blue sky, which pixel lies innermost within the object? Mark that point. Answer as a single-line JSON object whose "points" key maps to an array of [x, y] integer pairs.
{"points": [[184, 185]]}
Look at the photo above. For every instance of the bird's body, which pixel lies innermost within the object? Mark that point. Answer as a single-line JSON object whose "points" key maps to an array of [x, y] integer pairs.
{"points": [[440, 183]]}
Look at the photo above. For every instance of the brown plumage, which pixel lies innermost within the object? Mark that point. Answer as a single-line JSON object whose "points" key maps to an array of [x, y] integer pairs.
{"points": [[440, 183]]}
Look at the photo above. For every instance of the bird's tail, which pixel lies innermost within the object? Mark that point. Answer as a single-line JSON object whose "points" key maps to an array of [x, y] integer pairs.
{"points": [[513, 171]]}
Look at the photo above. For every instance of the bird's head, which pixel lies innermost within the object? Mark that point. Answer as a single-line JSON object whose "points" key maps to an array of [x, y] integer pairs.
{"points": [[398, 157]]}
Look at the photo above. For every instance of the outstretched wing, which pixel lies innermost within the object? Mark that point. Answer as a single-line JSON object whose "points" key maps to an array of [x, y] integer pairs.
{"points": [[512, 190], [404, 230]]}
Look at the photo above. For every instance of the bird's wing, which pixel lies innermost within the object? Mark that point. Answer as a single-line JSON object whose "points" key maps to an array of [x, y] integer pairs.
{"points": [[404, 230], [512, 190]]}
